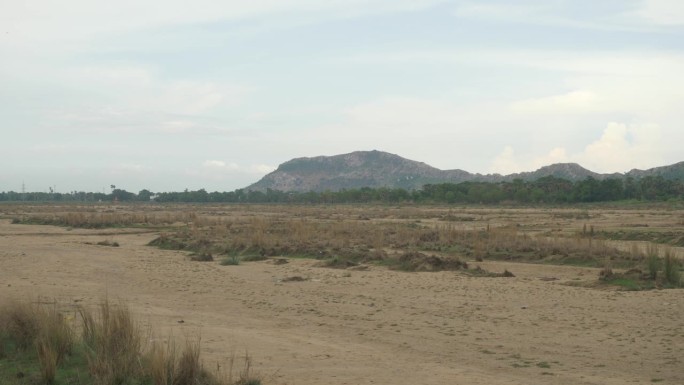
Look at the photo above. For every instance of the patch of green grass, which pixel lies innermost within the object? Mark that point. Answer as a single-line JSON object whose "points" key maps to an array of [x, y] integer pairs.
{"points": [[626, 283], [543, 364]]}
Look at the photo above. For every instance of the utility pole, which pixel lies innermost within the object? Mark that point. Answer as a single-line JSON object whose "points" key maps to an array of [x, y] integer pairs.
{"points": [[23, 191]]}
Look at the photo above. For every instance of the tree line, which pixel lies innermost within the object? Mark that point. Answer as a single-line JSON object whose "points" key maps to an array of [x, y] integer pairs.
{"points": [[544, 190]]}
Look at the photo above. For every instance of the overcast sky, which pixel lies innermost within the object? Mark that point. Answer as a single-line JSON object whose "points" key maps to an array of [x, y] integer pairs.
{"points": [[168, 95]]}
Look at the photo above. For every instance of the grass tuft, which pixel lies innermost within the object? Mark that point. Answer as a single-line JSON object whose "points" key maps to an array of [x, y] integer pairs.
{"points": [[113, 343]]}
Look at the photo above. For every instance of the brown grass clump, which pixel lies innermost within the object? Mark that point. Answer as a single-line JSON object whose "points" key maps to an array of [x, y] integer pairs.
{"points": [[113, 343], [168, 366]]}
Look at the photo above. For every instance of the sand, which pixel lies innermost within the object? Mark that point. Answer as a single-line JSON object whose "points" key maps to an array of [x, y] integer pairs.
{"points": [[372, 326]]}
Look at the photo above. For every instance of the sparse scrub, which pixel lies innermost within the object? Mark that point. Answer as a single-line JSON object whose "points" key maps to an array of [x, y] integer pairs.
{"points": [[635, 279], [363, 241]]}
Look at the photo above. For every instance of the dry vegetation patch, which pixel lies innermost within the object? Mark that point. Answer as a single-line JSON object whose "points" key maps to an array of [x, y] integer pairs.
{"points": [[414, 238]]}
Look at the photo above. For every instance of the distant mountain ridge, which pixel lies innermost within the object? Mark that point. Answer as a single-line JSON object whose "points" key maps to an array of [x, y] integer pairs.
{"points": [[381, 169]]}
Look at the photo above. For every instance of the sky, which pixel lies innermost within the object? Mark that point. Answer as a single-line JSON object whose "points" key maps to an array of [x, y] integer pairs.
{"points": [[168, 95]]}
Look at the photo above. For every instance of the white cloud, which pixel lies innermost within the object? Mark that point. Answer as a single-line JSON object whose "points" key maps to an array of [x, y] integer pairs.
{"points": [[620, 148], [662, 12], [623, 147], [136, 98], [506, 162], [556, 155], [261, 168], [638, 15], [141, 88], [219, 166], [581, 101]]}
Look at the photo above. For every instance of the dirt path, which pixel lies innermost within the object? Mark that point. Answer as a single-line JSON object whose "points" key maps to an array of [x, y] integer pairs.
{"points": [[364, 327]]}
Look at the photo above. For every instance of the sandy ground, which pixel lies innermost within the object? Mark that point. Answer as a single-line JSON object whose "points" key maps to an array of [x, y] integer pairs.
{"points": [[363, 327]]}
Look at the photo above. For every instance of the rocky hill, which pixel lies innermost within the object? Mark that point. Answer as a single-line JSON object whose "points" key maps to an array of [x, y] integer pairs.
{"points": [[381, 169]]}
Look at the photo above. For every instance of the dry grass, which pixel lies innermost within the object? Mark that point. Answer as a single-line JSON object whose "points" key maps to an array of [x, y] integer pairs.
{"points": [[364, 241], [350, 234], [112, 342], [168, 366]]}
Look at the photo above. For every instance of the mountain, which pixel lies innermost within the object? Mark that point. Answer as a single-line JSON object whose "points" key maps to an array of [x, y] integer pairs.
{"points": [[381, 169], [569, 171], [673, 171], [354, 170]]}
